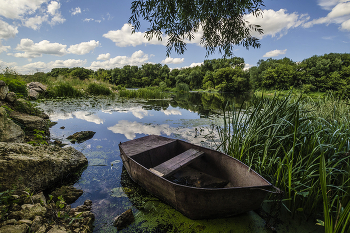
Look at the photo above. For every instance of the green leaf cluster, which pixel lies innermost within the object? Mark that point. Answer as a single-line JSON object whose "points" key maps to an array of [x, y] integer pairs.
{"points": [[222, 23]]}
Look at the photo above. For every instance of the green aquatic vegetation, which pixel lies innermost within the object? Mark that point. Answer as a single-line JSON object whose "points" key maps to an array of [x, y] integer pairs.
{"points": [[39, 138], [144, 93], [63, 89], [98, 89], [282, 138]]}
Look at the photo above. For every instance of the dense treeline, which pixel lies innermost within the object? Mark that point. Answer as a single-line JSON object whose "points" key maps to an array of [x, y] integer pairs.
{"points": [[220, 74], [329, 72]]}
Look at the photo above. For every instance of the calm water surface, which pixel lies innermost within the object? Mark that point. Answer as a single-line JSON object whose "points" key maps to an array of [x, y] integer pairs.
{"points": [[106, 182]]}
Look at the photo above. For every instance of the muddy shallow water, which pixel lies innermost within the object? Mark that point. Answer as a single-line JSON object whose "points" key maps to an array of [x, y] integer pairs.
{"points": [[106, 182]]}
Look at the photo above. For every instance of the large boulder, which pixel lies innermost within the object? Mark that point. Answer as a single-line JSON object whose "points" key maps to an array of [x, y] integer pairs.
{"points": [[26, 107], [11, 97], [9, 131], [39, 87], [4, 89], [31, 122], [35, 88], [37, 168]]}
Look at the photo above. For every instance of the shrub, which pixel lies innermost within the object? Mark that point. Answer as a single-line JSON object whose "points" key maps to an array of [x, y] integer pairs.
{"points": [[64, 90], [182, 87], [307, 88], [15, 84], [98, 89]]}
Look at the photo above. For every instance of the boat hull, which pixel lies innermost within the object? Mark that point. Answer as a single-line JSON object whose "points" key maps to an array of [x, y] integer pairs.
{"points": [[193, 202]]}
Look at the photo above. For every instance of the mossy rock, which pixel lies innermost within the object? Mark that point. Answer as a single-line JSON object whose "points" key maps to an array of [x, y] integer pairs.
{"points": [[81, 136]]}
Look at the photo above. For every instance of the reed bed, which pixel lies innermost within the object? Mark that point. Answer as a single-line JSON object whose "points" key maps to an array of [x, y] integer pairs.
{"points": [[144, 93], [301, 146]]}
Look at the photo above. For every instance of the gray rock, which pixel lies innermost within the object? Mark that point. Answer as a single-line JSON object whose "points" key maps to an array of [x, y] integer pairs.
{"points": [[33, 94], [124, 220], [37, 198], [37, 223], [30, 122], [81, 136], [37, 168], [26, 107], [2, 83], [3, 92], [9, 131], [23, 228], [29, 211], [25, 221], [69, 194], [10, 222], [11, 97], [42, 229], [39, 87]]}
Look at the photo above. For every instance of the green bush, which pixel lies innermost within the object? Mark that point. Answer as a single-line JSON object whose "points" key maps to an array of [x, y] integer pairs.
{"points": [[307, 88], [182, 87], [15, 84], [64, 90], [98, 89]]}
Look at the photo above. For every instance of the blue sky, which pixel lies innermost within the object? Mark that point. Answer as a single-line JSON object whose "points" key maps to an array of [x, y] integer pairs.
{"points": [[38, 35]]}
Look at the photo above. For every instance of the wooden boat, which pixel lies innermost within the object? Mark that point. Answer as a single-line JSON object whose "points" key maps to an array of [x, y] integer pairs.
{"points": [[198, 182]]}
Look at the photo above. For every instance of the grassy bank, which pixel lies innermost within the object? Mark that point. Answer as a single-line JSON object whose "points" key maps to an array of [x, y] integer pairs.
{"points": [[302, 146]]}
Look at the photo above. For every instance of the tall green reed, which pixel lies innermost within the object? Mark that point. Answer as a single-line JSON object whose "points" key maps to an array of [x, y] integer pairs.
{"points": [[283, 139], [144, 93]]}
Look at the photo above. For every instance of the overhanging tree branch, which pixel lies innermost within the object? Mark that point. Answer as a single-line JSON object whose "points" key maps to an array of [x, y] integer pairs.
{"points": [[222, 22]]}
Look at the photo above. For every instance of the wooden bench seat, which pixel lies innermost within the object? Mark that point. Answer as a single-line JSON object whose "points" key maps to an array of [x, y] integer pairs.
{"points": [[172, 165]]}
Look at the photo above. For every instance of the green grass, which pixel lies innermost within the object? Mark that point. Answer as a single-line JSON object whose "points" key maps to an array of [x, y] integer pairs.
{"points": [[64, 89], [98, 89], [284, 138], [144, 93]]}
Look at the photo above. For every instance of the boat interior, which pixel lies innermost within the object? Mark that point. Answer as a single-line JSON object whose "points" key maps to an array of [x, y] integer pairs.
{"points": [[187, 164]]}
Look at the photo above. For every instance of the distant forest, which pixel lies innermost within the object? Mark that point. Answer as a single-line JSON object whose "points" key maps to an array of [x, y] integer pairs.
{"points": [[329, 72]]}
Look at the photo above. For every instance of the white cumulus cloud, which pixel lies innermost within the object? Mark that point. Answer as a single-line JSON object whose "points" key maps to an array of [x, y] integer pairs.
{"points": [[136, 59], [104, 56], [16, 9], [32, 50], [4, 48], [7, 31], [29, 49], [275, 53], [339, 14], [83, 47], [46, 67], [247, 66], [346, 25], [76, 10], [53, 7], [8, 64], [329, 4], [35, 22], [276, 22], [170, 60], [124, 37]]}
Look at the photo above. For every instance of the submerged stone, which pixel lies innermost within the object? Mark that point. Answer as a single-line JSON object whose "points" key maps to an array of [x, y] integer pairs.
{"points": [[81, 136], [124, 220], [69, 194]]}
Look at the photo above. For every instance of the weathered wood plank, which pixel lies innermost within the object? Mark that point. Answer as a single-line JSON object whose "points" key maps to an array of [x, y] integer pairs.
{"points": [[172, 165]]}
